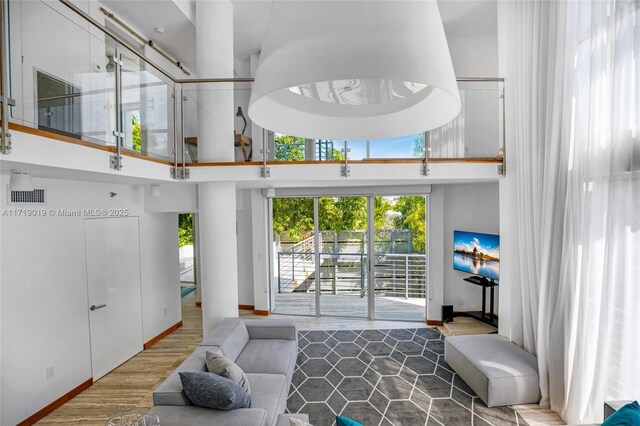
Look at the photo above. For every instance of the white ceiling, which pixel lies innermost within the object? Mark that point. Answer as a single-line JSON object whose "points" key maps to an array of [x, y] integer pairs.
{"points": [[144, 16], [461, 18]]}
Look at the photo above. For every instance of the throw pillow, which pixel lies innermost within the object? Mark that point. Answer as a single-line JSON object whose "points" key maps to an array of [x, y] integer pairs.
{"points": [[209, 390], [345, 421], [222, 366], [629, 415]]}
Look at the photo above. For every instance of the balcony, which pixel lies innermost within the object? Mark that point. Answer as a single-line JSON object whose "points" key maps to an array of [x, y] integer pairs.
{"points": [[99, 92]]}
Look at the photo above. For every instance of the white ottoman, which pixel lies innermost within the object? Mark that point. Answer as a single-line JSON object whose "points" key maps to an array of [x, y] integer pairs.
{"points": [[499, 371]]}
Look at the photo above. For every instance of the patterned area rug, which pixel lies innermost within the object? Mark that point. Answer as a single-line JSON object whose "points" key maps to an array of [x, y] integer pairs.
{"points": [[385, 377]]}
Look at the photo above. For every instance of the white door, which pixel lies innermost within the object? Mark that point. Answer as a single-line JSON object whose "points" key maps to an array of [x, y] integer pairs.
{"points": [[115, 303]]}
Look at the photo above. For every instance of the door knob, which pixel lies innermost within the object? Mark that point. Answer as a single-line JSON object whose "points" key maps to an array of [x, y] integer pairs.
{"points": [[94, 307]]}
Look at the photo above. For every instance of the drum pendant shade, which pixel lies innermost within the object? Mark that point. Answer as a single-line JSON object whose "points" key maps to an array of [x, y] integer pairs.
{"points": [[354, 70]]}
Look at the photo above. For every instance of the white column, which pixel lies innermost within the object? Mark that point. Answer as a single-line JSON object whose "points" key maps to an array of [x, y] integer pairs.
{"points": [[214, 59], [256, 131], [216, 201]]}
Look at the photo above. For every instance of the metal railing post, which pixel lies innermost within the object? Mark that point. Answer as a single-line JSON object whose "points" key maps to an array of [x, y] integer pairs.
{"points": [[116, 160], [5, 137], [293, 269], [279, 274], [424, 169], [406, 276], [335, 276], [346, 169], [362, 275]]}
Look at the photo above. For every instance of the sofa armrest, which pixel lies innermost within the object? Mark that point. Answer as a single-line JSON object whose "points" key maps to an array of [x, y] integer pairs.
{"points": [[272, 329]]}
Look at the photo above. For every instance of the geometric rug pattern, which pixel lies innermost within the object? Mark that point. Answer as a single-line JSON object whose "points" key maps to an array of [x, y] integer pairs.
{"points": [[385, 377]]}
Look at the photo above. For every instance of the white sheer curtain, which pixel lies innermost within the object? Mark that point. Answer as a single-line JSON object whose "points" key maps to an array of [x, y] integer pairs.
{"points": [[448, 141], [573, 68]]}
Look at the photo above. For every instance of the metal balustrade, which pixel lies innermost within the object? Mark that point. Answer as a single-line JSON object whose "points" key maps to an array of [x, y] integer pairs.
{"points": [[396, 274], [132, 106]]}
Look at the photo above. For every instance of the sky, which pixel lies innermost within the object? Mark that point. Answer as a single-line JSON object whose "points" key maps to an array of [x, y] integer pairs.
{"points": [[487, 243], [401, 147]]}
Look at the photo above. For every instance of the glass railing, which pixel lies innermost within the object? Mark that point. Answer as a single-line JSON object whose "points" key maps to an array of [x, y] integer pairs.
{"points": [[85, 83], [81, 83], [206, 108], [474, 133]]}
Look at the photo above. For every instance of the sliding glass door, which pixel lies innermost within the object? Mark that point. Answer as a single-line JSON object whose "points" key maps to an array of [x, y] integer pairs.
{"points": [[342, 226], [400, 267], [321, 259], [294, 257]]}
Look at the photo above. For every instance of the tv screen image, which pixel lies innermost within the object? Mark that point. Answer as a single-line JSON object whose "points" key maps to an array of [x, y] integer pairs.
{"points": [[477, 254]]}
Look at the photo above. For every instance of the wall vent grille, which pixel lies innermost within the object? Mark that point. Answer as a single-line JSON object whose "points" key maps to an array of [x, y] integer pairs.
{"points": [[37, 196]]}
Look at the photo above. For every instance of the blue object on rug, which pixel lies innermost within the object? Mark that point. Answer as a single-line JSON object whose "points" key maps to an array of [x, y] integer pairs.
{"points": [[187, 290], [345, 421], [629, 415]]}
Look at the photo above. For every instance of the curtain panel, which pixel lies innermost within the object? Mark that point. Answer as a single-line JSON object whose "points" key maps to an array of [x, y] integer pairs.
{"points": [[574, 114]]}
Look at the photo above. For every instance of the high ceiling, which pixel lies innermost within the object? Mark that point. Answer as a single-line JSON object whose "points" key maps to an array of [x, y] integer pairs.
{"points": [[461, 18]]}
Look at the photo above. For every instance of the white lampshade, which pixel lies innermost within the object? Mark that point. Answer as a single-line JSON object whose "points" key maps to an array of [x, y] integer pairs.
{"points": [[354, 70], [154, 190], [20, 181]]}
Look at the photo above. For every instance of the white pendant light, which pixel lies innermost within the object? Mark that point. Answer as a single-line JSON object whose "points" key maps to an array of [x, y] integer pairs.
{"points": [[354, 70], [20, 181]]}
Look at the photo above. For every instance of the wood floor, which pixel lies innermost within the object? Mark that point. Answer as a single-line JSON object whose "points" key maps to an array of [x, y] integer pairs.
{"points": [[129, 387]]}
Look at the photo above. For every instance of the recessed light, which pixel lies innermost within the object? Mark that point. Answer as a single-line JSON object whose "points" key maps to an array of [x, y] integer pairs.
{"points": [[160, 30]]}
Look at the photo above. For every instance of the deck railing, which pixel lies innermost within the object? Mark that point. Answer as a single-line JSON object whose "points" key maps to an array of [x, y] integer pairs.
{"points": [[396, 274]]}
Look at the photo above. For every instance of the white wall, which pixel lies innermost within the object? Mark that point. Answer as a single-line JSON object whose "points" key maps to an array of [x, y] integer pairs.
{"points": [[245, 247], [160, 270], [474, 56], [469, 207], [174, 198], [44, 314], [465, 207], [253, 281], [435, 238]]}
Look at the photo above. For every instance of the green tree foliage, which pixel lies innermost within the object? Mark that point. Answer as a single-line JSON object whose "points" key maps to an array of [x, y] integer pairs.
{"points": [[418, 145], [289, 148], [185, 229], [293, 217], [136, 133], [412, 217]]}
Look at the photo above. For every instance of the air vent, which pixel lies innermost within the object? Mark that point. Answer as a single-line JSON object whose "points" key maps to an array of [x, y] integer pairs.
{"points": [[27, 197]]}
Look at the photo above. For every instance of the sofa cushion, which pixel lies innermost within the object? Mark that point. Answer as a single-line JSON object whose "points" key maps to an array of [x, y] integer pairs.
{"points": [[499, 371], [272, 329], [269, 391], [170, 392], [209, 390], [197, 416], [223, 366], [271, 356], [230, 335]]}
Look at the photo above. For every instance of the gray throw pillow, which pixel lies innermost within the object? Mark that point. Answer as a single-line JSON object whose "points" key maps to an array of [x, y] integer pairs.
{"points": [[209, 390], [222, 366]]}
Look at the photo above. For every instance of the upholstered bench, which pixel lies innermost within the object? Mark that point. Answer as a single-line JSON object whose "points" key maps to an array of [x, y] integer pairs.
{"points": [[499, 371]]}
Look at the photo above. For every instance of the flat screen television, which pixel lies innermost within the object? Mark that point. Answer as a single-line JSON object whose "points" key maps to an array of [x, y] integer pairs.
{"points": [[477, 254]]}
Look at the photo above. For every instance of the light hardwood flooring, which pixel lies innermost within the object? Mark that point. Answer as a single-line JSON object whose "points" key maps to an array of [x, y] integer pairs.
{"points": [[129, 387]]}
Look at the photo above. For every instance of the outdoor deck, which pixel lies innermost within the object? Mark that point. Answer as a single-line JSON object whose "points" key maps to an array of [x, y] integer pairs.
{"points": [[388, 308]]}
